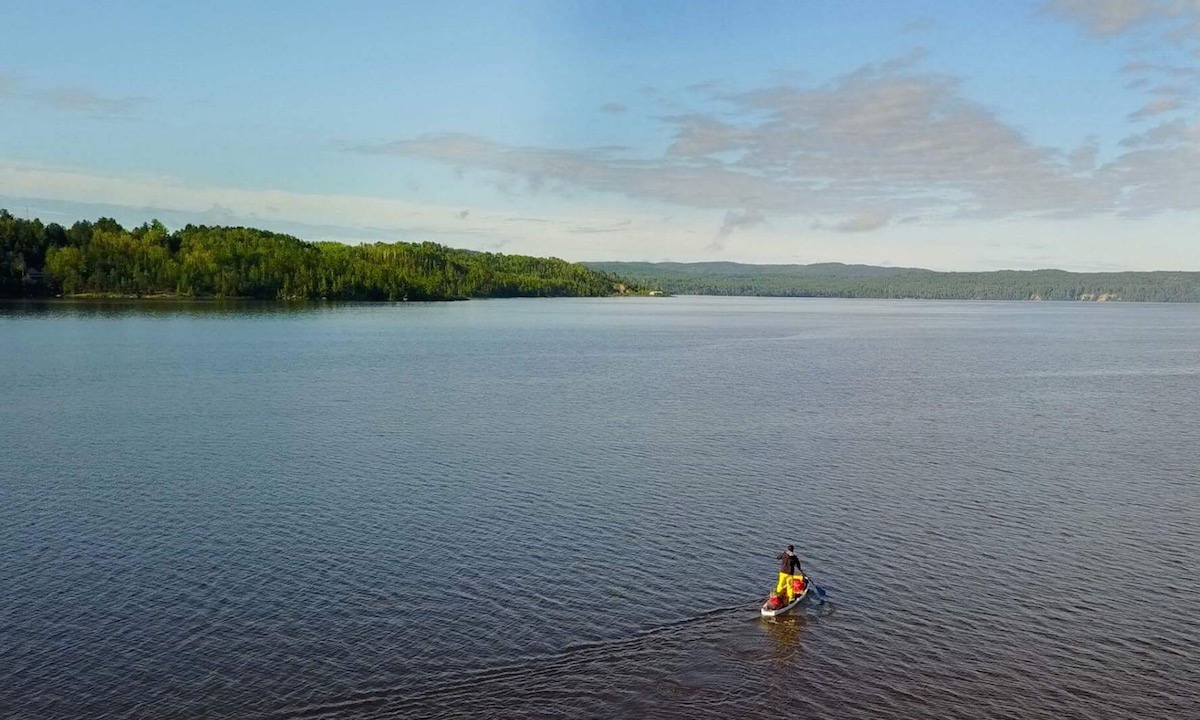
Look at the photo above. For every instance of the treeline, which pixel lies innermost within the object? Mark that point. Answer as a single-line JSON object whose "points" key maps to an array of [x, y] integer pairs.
{"points": [[862, 281], [104, 258]]}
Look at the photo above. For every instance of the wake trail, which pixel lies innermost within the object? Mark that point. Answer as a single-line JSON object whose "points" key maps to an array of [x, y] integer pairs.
{"points": [[454, 682]]}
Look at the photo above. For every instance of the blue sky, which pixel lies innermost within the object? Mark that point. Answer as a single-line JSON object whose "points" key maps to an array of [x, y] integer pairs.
{"points": [[950, 135]]}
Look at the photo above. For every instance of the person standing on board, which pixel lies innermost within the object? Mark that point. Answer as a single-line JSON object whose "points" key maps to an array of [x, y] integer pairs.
{"points": [[789, 568]]}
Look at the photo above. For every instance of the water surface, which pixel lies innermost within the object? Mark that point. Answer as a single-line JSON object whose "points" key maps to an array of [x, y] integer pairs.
{"points": [[567, 508]]}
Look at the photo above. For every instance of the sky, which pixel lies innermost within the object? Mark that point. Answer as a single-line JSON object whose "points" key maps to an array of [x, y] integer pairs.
{"points": [[932, 133]]}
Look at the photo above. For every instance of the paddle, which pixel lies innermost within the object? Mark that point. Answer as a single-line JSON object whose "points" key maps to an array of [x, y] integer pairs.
{"points": [[820, 590]]}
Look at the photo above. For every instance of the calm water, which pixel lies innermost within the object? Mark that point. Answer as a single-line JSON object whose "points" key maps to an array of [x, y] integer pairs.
{"points": [[569, 508]]}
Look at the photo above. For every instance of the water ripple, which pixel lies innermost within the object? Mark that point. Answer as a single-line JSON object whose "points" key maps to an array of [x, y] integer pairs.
{"points": [[571, 508]]}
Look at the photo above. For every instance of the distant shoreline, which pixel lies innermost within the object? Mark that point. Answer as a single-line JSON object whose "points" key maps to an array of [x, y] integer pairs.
{"points": [[837, 280]]}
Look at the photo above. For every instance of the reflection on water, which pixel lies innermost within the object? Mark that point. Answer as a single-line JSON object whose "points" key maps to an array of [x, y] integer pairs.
{"points": [[786, 633], [48, 309], [784, 636]]}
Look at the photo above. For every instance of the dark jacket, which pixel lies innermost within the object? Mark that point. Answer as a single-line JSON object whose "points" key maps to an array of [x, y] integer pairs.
{"points": [[790, 564]]}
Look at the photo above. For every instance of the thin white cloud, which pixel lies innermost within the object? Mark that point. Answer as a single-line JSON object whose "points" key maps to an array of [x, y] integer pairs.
{"points": [[882, 135], [1165, 134], [1141, 67], [1106, 17], [613, 108], [81, 194], [702, 135], [919, 25], [1082, 160], [87, 101], [705, 87], [1161, 171], [1168, 88], [1158, 106], [735, 220], [1177, 20], [743, 219], [621, 226], [865, 221], [71, 99]]}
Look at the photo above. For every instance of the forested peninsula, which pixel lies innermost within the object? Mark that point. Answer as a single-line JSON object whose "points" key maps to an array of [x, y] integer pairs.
{"points": [[103, 258], [867, 281]]}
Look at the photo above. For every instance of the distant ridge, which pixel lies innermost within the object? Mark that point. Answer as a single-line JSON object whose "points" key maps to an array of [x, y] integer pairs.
{"points": [[830, 269], [870, 281]]}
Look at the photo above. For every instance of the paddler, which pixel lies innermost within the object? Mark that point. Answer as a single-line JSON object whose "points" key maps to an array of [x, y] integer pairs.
{"points": [[789, 568]]}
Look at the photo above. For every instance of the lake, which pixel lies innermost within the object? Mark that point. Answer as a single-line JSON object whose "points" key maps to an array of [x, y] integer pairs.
{"points": [[571, 508]]}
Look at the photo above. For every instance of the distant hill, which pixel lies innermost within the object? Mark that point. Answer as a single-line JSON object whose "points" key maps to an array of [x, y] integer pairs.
{"points": [[733, 269], [868, 281]]}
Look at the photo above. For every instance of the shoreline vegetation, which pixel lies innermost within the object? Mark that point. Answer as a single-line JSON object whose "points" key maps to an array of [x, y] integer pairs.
{"points": [[836, 280], [102, 259]]}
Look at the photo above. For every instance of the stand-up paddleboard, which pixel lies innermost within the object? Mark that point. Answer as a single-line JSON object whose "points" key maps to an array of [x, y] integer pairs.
{"points": [[782, 610]]}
